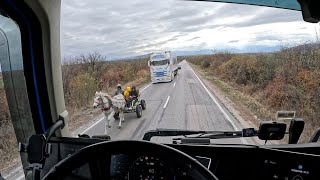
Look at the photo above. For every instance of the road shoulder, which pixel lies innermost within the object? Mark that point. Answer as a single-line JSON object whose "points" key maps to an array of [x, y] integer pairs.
{"points": [[244, 117]]}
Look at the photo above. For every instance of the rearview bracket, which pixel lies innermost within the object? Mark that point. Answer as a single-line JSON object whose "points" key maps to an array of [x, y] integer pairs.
{"points": [[271, 130], [310, 10]]}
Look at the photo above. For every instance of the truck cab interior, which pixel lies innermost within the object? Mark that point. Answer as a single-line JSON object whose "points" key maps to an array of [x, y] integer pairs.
{"points": [[30, 55]]}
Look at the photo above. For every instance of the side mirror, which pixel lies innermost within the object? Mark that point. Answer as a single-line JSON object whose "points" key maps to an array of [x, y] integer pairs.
{"points": [[295, 130], [179, 67]]}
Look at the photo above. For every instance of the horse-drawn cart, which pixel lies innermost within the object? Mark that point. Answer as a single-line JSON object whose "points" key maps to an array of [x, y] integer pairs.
{"points": [[136, 106]]}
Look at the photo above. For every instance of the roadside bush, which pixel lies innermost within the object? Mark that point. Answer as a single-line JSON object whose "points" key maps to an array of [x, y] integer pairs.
{"points": [[83, 88], [85, 74], [205, 63], [266, 69], [284, 80], [110, 78], [4, 110], [143, 73], [223, 56], [247, 70], [8, 142], [280, 95], [308, 81], [242, 70], [215, 67]]}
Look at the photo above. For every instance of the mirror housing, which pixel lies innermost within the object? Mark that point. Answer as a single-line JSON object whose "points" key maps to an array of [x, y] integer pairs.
{"points": [[310, 10], [295, 130], [315, 136]]}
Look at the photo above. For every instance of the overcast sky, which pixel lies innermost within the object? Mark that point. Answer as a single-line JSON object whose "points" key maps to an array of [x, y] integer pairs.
{"points": [[121, 28]]}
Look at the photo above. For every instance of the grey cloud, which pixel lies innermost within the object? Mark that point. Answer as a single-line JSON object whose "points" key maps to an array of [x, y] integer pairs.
{"points": [[270, 15], [129, 27], [269, 37], [193, 38], [233, 41]]}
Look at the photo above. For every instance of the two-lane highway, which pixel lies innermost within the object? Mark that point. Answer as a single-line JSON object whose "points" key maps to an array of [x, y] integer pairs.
{"points": [[184, 103]]}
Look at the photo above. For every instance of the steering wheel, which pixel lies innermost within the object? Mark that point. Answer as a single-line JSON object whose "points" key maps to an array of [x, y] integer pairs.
{"points": [[95, 151]]}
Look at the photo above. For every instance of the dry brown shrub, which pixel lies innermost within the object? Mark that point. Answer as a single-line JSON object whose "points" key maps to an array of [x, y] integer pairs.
{"points": [[286, 80]]}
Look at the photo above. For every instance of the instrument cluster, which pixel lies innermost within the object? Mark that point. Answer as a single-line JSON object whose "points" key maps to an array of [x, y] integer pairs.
{"points": [[146, 167]]}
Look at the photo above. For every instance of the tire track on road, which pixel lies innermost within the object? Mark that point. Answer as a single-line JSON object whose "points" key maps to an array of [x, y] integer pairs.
{"points": [[145, 124]]}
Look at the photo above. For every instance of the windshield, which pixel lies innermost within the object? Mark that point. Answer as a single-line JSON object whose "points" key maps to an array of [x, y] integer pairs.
{"points": [[239, 65], [159, 63], [231, 67]]}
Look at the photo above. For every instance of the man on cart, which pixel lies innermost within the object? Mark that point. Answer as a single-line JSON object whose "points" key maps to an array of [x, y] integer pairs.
{"points": [[133, 96]]}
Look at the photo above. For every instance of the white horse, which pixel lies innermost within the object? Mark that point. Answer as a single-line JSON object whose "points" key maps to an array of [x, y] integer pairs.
{"points": [[110, 106]]}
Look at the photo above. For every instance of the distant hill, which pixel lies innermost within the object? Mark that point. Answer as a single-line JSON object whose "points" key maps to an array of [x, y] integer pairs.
{"points": [[178, 53], [246, 49], [132, 57], [305, 46], [192, 53]]}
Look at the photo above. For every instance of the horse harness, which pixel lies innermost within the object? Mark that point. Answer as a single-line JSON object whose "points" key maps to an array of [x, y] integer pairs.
{"points": [[103, 108]]}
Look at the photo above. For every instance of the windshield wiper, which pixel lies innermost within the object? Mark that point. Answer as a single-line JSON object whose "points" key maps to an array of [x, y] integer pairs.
{"points": [[186, 133], [217, 135]]}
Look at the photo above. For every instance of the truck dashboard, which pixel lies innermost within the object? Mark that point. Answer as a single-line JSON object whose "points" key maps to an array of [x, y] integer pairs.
{"points": [[289, 162]]}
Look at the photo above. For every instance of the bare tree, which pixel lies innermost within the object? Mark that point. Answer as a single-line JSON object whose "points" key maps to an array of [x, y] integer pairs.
{"points": [[94, 59]]}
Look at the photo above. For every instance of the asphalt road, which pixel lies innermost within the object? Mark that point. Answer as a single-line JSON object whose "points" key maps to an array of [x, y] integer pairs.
{"points": [[184, 103]]}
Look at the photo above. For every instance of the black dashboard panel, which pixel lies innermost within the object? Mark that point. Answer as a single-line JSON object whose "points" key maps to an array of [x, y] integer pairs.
{"points": [[226, 161], [280, 164]]}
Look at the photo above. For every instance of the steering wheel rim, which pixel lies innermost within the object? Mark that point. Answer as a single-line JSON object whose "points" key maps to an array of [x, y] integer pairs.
{"points": [[85, 154]]}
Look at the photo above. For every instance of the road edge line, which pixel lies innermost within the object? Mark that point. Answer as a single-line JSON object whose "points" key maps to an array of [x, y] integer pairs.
{"points": [[144, 88], [219, 106], [87, 129]]}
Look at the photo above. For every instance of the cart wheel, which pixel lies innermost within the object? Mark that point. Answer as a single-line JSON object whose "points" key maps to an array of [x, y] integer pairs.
{"points": [[143, 104], [139, 111]]}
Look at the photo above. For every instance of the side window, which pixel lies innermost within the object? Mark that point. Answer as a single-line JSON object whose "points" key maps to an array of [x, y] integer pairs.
{"points": [[15, 113]]}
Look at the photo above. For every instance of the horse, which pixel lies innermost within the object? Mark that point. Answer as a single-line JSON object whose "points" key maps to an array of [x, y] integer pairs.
{"points": [[110, 106]]}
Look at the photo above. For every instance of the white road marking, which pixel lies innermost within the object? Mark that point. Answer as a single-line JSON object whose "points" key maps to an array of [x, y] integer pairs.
{"points": [[21, 177], [83, 132], [174, 84], [145, 87], [165, 104], [19, 174], [219, 106]]}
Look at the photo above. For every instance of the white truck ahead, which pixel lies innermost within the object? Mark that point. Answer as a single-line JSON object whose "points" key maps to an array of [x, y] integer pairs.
{"points": [[163, 66]]}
